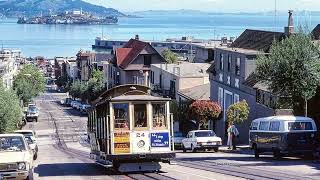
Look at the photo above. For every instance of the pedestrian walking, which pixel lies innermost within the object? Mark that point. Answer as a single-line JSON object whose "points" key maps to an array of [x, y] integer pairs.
{"points": [[233, 133], [229, 131]]}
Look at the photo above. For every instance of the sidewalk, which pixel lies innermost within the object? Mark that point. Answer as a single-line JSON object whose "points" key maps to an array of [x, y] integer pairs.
{"points": [[241, 149]]}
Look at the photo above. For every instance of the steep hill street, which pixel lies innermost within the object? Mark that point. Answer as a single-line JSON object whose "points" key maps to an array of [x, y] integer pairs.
{"points": [[64, 154]]}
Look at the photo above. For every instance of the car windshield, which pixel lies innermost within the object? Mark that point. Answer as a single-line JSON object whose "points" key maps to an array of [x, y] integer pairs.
{"points": [[294, 126], [32, 109], [26, 133], [29, 139], [204, 134], [12, 143]]}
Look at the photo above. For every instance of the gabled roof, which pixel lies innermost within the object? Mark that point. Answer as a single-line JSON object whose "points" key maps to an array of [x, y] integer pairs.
{"points": [[201, 92], [257, 39], [121, 54], [316, 32], [253, 82], [129, 52]]}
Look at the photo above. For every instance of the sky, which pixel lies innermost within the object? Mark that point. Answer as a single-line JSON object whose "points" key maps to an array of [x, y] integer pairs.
{"points": [[210, 5]]}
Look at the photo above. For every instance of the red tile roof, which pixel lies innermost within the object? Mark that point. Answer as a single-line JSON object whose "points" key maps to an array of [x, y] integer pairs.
{"points": [[121, 54], [129, 52]]}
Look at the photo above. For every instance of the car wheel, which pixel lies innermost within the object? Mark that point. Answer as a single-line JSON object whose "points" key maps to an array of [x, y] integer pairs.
{"points": [[30, 176], [35, 156], [183, 148], [193, 149], [256, 151], [216, 149], [36, 119], [276, 154]]}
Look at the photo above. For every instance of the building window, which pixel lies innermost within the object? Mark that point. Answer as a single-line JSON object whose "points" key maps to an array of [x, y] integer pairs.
{"points": [[236, 83], [172, 87], [220, 96], [236, 98], [229, 63], [221, 61], [152, 77], [147, 60], [238, 67]]}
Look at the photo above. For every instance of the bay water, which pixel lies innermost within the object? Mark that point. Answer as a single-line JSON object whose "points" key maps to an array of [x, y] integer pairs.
{"points": [[66, 40]]}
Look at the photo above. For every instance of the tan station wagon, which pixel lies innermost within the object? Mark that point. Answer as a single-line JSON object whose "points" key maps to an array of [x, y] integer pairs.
{"points": [[16, 158]]}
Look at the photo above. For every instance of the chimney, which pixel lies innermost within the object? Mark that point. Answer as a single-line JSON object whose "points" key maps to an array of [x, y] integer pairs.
{"points": [[290, 28], [137, 37]]}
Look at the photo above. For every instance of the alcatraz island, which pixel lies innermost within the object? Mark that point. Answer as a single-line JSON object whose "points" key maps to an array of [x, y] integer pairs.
{"points": [[69, 17]]}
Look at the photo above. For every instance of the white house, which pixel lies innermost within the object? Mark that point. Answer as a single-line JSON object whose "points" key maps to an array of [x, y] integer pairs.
{"points": [[9, 65], [168, 79]]}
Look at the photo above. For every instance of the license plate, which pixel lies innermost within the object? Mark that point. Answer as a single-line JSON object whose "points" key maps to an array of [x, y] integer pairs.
{"points": [[211, 143]]}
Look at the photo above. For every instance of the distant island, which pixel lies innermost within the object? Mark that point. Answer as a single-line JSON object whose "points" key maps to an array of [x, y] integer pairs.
{"points": [[31, 8], [74, 17]]}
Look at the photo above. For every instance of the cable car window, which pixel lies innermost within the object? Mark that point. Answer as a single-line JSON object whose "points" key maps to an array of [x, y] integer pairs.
{"points": [[300, 126], [140, 115], [159, 115], [121, 118]]}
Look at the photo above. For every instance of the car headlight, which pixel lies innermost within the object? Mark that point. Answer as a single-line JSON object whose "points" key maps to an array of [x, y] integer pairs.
{"points": [[22, 166]]}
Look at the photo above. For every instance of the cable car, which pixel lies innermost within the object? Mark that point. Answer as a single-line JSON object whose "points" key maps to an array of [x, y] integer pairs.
{"points": [[131, 130]]}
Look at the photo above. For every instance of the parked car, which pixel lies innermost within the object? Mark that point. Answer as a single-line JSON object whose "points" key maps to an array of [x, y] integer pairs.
{"points": [[84, 108], [178, 140], [67, 101], [283, 135], [78, 105], [16, 157], [30, 136], [75, 104], [200, 140], [32, 113]]}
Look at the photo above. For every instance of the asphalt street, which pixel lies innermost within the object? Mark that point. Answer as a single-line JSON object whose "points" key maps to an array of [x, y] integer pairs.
{"points": [[64, 154]]}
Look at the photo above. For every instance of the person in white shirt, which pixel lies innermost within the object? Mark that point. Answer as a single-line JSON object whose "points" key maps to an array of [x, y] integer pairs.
{"points": [[232, 134]]}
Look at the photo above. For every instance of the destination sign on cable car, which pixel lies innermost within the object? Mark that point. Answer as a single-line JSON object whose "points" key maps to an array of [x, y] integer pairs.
{"points": [[159, 139]]}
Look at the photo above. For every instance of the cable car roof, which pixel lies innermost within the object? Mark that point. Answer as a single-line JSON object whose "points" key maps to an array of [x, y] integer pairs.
{"points": [[139, 98], [128, 92]]}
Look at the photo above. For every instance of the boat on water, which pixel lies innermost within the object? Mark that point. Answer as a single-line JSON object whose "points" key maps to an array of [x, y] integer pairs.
{"points": [[75, 17]]}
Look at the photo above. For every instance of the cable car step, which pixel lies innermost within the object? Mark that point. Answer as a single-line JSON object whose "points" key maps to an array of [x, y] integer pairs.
{"points": [[139, 167], [104, 164]]}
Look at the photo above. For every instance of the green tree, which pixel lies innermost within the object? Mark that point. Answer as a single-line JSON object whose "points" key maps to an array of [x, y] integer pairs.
{"points": [[170, 56], [98, 75], [62, 81], [238, 112], [10, 111], [29, 83], [292, 70], [203, 110]]}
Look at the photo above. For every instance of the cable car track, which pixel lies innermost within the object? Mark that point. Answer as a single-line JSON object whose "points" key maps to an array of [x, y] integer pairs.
{"points": [[84, 156], [242, 172]]}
